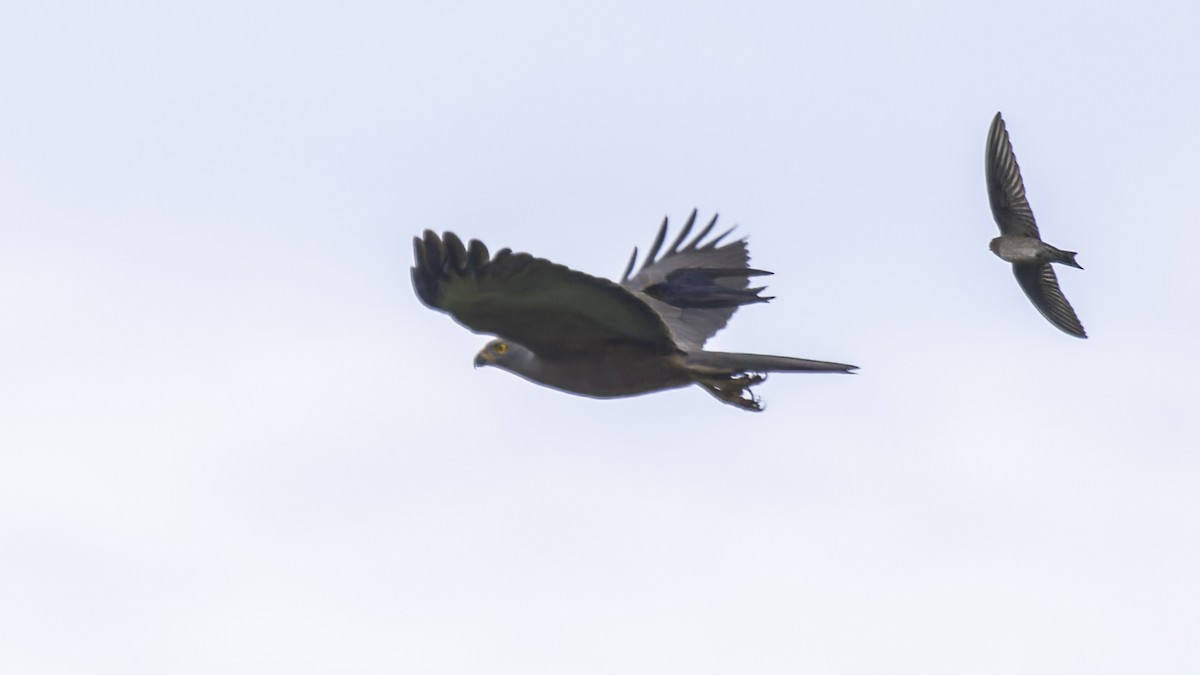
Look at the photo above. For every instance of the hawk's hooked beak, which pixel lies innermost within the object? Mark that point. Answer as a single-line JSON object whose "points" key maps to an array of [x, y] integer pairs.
{"points": [[483, 359]]}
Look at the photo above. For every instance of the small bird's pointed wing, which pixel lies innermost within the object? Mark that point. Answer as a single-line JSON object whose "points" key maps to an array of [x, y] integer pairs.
{"points": [[1006, 190], [549, 308], [1041, 285], [706, 301]]}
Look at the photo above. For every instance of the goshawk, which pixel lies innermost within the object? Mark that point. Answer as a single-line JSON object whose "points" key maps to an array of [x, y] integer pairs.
{"points": [[590, 336]]}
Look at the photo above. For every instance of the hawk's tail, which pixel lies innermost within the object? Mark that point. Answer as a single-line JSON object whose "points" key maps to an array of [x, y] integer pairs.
{"points": [[729, 376], [729, 363]]}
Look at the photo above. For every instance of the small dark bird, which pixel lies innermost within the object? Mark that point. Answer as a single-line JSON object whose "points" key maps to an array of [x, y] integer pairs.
{"points": [[1019, 242]]}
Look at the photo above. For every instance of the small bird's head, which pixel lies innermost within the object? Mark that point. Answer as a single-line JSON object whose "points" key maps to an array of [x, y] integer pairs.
{"points": [[994, 246]]}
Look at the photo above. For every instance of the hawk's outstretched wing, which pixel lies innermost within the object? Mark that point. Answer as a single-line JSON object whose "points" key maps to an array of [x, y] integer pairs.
{"points": [[705, 281], [544, 306]]}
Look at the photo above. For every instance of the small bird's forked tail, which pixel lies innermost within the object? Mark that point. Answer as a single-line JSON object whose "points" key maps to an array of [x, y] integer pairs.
{"points": [[1068, 259]]}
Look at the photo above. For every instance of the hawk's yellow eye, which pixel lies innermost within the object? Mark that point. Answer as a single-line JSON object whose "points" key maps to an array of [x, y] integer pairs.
{"points": [[501, 347]]}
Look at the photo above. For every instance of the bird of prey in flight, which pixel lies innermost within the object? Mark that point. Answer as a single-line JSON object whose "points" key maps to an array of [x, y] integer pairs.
{"points": [[590, 336], [1019, 242]]}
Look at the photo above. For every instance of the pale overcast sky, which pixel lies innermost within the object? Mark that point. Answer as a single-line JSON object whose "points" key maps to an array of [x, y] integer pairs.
{"points": [[233, 441]]}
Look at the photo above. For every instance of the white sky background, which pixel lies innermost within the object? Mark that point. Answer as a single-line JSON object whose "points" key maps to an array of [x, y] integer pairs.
{"points": [[234, 441]]}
